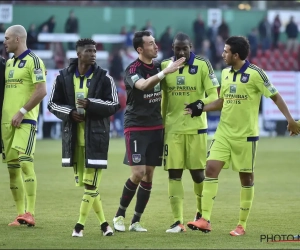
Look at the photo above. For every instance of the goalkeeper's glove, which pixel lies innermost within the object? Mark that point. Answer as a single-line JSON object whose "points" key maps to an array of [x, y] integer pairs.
{"points": [[196, 107]]}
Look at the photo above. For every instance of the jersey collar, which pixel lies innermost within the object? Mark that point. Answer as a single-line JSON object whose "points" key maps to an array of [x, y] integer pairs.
{"points": [[191, 59], [25, 53], [243, 68], [87, 74]]}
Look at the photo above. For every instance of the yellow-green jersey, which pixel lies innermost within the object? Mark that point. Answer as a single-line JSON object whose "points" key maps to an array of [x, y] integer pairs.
{"points": [[242, 91], [186, 85], [81, 87], [21, 75]]}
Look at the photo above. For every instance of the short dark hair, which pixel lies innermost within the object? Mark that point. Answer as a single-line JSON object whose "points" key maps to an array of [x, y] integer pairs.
{"points": [[138, 38], [84, 41], [181, 37], [239, 45]]}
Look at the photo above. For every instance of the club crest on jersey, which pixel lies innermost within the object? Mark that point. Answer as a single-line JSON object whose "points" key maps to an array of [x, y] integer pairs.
{"points": [[22, 64], [136, 158], [245, 78], [180, 80], [88, 83], [232, 88], [193, 69]]}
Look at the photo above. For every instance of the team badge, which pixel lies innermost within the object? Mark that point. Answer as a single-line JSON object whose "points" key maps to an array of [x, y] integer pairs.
{"points": [[136, 158], [180, 80], [193, 69], [22, 64], [245, 78], [232, 88], [88, 83]]}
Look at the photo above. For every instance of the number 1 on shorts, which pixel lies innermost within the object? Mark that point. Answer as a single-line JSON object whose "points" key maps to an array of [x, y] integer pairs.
{"points": [[135, 146]]}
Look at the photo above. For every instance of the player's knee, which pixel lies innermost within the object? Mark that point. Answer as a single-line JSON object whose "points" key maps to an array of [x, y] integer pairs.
{"points": [[13, 170], [175, 173], [247, 179], [213, 169], [26, 164], [197, 175], [138, 175], [89, 187]]}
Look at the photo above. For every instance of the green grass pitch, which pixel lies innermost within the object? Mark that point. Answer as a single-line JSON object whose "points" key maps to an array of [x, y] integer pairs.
{"points": [[275, 209]]}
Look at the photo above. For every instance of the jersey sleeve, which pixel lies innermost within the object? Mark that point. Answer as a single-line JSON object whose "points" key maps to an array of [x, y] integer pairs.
{"points": [[37, 71], [132, 76], [264, 85], [221, 95], [208, 75]]}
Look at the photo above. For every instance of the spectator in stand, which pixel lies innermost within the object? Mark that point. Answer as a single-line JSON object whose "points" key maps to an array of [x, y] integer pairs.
{"points": [[71, 27], [212, 33], [199, 33], [149, 28], [292, 35], [50, 23], [32, 42], [265, 32], [206, 52], [223, 30], [123, 30], [129, 37], [116, 68], [2, 28], [253, 41], [166, 41], [43, 45], [276, 31]]}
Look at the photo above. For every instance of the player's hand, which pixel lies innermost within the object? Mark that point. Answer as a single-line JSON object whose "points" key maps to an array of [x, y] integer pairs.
{"points": [[194, 108], [77, 117], [83, 103], [17, 119], [174, 66], [294, 127]]}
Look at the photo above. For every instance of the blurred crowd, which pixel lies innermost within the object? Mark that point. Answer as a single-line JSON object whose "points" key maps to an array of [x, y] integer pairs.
{"points": [[208, 42]]}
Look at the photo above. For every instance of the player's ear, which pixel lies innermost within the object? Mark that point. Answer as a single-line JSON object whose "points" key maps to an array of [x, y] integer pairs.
{"points": [[139, 50]]}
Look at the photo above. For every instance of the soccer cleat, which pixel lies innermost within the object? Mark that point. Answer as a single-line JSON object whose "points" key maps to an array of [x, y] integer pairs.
{"points": [[118, 223], [15, 223], [77, 234], [238, 231], [108, 231], [137, 227], [201, 224], [26, 218], [177, 227]]}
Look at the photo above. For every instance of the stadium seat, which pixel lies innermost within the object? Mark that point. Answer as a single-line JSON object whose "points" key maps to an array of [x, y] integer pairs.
{"points": [[267, 54], [276, 54], [259, 53]]}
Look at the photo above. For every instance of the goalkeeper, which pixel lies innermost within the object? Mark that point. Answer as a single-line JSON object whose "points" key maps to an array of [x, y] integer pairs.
{"points": [[185, 141]]}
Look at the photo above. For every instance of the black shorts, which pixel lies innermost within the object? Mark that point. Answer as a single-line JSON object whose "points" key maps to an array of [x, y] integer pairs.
{"points": [[144, 147]]}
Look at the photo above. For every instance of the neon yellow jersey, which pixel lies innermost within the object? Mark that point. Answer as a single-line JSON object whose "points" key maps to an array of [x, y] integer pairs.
{"points": [[81, 87], [186, 85], [242, 92], [21, 75]]}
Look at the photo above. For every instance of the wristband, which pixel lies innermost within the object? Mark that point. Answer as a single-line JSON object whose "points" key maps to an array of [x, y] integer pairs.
{"points": [[23, 111], [161, 75]]}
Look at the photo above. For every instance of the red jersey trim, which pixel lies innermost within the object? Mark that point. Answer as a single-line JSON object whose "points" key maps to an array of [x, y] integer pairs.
{"points": [[143, 128]]}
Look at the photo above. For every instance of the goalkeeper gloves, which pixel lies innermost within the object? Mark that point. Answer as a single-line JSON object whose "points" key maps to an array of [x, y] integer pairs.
{"points": [[196, 107]]}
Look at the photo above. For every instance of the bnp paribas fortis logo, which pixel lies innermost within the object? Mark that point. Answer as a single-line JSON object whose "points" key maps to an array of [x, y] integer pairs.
{"points": [[180, 80]]}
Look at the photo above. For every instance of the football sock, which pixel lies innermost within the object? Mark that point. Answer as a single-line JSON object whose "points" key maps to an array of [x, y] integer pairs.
{"points": [[246, 198], [142, 197], [127, 195], [97, 206], [30, 183], [198, 187], [176, 196], [86, 204], [17, 187], [210, 189]]}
